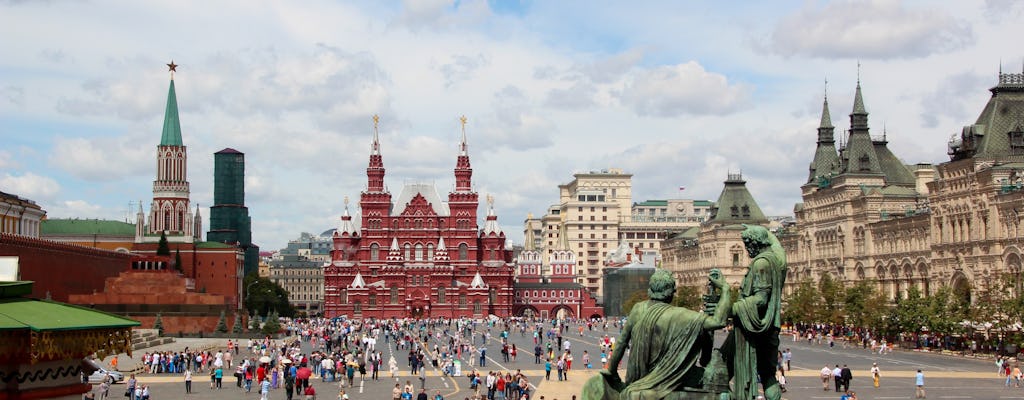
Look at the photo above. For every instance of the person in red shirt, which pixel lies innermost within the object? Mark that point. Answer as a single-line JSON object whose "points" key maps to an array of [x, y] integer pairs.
{"points": [[261, 373]]}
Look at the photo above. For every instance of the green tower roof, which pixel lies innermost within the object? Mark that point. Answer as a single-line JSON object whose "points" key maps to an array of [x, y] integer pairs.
{"points": [[736, 205], [172, 128]]}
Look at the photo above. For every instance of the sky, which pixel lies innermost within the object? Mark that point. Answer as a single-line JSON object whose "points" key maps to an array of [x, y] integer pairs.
{"points": [[677, 93]]}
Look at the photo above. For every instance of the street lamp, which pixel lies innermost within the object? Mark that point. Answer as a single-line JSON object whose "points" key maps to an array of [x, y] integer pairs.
{"points": [[247, 292]]}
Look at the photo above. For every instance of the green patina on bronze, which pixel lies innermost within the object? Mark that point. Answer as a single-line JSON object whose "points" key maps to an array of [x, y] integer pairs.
{"points": [[671, 355]]}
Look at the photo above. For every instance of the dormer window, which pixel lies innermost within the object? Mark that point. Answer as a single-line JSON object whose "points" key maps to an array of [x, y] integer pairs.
{"points": [[1016, 137]]}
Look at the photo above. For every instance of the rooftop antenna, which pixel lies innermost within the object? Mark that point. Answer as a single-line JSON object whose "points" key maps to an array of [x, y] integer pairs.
{"points": [[826, 87], [858, 72]]}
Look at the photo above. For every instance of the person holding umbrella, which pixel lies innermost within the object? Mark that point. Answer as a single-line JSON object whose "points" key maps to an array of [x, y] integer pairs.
{"points": [[302, 377]]}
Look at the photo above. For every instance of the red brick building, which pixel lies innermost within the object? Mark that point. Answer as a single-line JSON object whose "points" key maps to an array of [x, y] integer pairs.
{"points": [[556, 293], [416, 255]]}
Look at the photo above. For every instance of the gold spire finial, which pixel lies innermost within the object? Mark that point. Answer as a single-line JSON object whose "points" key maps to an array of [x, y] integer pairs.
{"points": [[376, 121], [490, 200], [463, 120], [346, 201]]}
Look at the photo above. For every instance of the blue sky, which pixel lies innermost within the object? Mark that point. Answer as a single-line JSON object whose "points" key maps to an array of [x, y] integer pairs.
{"points": [[677, 93]]}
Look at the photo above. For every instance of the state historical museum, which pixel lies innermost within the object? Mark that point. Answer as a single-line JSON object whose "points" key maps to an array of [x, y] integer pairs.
{"points": [[416, 255]]}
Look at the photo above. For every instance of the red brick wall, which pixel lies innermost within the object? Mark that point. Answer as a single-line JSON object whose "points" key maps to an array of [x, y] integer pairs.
{"points": [[215, 270], [62, 269]]}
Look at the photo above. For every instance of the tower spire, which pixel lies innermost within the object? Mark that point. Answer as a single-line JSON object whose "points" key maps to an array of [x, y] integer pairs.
{"points": [[375, 169], [375, 147], [826, 117], [463, 170], [171, 135], [463, 147]]}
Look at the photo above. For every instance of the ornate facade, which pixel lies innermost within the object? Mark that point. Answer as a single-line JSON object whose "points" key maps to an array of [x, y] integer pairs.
{"points": [[867, 216], [416, 255], [551, 292]]}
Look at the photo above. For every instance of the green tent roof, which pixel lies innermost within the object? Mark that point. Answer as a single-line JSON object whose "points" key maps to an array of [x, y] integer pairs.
{"points": [[45, 315], [53, 227], [172, 128]]}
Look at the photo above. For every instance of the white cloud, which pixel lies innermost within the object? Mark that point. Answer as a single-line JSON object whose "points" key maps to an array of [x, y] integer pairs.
{"points": [[102, 158], [952, 100], [461, 68], [29, 185], [77, 209], [682, 89], [515, 124], [15, 95], [7, 161], [869, 29]]}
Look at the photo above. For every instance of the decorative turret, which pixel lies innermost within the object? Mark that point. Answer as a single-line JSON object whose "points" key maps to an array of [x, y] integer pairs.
{"points": [[140, 224], [347, 228], [826, 159], [491, 223], [375, 169], [563, 258], [859, 156], [463, 171], [395, 253], [441, 253], [197, 231]]}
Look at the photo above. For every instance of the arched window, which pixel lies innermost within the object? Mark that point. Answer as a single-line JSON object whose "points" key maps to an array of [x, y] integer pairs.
{"points": [[374, 252], [408, 251], [430, 252], [344, 297], [440, 295], [394, 295], [373, 299], [477, 309], [493, 296], [419, 252], [358, 307], [463, 251]]}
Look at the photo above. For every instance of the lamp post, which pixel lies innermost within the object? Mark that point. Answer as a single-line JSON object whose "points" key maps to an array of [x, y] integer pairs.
{"points": [[247, 292]]}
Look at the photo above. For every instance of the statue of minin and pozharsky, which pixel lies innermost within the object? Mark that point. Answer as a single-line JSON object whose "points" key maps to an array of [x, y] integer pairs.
{"points": [[671, 354]]}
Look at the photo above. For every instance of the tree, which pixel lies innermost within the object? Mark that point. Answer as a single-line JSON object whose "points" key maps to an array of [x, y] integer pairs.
{"points": [[254, 323], [158, 324], [237, 327], [803, 304], [910, 313], [264, 295], [636, 297], [177, 259], [222, 326], [832, 295], [162, 248], [858, 300], [689, 297], [272, 325]]}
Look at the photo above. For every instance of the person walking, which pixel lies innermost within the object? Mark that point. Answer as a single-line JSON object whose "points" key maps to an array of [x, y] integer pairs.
{"points": [[847, 376], [265, 388], [875, 373], [919, 381], [826, 373], [188, 381], [837, 378]]}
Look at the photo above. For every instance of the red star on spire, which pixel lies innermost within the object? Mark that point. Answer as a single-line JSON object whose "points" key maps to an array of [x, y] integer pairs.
{"points": [[172, 67]]}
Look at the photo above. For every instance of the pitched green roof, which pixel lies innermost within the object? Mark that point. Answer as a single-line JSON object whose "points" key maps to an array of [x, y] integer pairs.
{"points": [[1004, 113], [45, 315], [653, 203], [701, 203], [858, 101], [896, 173], [213, 245], [59, 226], [736, 205], [172, 128]]}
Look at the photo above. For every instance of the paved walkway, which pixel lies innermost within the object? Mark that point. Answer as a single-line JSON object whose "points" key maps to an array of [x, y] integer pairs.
{"points": [[128, 364]]}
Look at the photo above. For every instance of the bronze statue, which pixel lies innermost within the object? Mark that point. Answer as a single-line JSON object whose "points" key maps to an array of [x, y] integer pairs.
{"points": [[670, 348], [751, 348]]}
